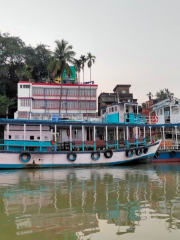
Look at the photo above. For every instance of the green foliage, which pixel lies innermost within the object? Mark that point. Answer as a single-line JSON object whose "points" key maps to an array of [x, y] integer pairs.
{"points": [[150, 95], [77, 63], [163, 94], [5, 104], [143, 105], [62, 56], [90, 59]]}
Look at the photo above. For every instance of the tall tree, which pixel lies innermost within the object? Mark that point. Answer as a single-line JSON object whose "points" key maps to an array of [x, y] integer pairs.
{"points": [[37, 60], [91, 60], [62, 56], [83, 59], [12, 61], [150, 95], [77, 63]]}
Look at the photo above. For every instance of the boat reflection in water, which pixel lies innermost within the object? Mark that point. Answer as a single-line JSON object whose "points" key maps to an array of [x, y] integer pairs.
{"points": [[88, 203]]}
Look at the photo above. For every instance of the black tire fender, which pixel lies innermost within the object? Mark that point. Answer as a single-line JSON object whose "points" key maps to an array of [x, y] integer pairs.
{"points": [[69, 156], [108, 153]]}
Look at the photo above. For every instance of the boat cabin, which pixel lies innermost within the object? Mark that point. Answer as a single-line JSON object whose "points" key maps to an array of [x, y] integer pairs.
{"points": [[122, 113], [166, 111]]}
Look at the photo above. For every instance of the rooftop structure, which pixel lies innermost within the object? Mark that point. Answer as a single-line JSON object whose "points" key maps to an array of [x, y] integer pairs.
{"points": [[121, 93]]}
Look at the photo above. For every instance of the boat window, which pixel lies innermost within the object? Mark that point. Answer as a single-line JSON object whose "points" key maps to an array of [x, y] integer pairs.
{"points": [[38, 138], [157, 112], [16, 136], [20, 86], [31, 137], [161, 112], [115, 109], [9, 136], [46, 138], [175, 111], [112, 109]]}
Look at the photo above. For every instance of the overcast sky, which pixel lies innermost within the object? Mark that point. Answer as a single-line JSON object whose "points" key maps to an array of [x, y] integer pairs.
{"points": [[135, 42]]}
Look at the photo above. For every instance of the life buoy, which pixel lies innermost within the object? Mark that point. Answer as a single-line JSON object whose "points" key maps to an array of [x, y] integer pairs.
{"points": [[71, 156], [173, 153], [155, 119], [108, 153], [95, 155], [129, 153], [52, 142], [138, 151], [157, 154], [145, 150], [25, 157]]}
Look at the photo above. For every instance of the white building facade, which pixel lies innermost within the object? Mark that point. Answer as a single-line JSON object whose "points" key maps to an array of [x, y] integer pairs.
{"points": [[42, 100]]}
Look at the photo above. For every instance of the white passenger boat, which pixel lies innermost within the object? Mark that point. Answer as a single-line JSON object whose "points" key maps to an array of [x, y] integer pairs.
{"points": [[60, 143]]}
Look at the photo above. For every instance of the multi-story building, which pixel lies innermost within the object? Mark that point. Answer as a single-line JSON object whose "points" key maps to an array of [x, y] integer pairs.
{"points": [[121, 93], [42, 100]]}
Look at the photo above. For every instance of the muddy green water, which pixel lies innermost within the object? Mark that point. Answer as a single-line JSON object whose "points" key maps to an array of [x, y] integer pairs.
{"points": [[136, 202]]}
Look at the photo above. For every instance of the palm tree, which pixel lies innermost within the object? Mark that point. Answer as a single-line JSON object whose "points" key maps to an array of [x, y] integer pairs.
{"points": [[62, 56], [77, 63], [83, 59], [150, 95], [91, 60]]}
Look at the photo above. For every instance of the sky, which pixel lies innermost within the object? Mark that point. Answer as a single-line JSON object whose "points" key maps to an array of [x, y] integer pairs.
{"points": [[135, 42]]}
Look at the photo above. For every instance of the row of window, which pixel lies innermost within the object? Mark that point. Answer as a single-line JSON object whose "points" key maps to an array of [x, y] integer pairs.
{"points": [[65, 92], [112, 109], [64, 104], [17, 137], [24, 86], [55, 104]]}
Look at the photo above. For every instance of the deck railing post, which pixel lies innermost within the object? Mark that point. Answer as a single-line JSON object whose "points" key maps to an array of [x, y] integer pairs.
{"points": [[127, 136], [136, 136], [94, 138], [70, 136], [55, 138], [8, 136], [176, 138], [117, 143], [83, 138], [164, 138], [40, 137], [150, 134], [106, 137], [24, 136], [144, 135]]}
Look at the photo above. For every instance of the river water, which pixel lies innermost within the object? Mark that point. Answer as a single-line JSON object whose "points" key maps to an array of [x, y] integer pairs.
{"points": [[134, 202]]}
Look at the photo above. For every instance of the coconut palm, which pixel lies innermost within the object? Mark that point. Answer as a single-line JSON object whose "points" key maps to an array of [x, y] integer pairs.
{"points": [[62, 56], [91, 60], [150, 95], [77, 63], [83, 59]]}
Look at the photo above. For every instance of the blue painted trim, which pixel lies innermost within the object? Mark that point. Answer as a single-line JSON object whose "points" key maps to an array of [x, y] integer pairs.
{"points": [[66, 152]]}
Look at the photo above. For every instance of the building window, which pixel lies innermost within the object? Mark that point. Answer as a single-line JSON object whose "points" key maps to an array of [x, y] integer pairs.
{"points": [[25, 102], [123, 91], [26, 86], [31, 137]]}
